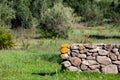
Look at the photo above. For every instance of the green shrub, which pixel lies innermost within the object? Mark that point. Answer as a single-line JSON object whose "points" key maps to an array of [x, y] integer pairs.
{"points": [[56, 21], [6, 41]]}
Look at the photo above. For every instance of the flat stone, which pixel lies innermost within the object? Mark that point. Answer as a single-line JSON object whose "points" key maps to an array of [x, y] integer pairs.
{"points": [[89, 54], [110, 69], [81, 56], [66, 63], [103, 60], [113, 56], [83, 67], [116, 62], [72, 68], [90, 58], [89, 62], [75, 61], [94, 66], [103, 52]]}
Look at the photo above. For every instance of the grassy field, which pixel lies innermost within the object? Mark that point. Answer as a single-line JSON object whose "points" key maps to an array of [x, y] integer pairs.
{"points": [[38, 59]]}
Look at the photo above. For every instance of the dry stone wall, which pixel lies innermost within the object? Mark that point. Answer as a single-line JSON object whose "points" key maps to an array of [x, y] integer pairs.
{"points": [[91, 57]]}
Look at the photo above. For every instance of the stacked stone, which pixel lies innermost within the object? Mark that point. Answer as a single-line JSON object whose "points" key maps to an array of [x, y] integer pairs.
{"points": [[93, 58]]}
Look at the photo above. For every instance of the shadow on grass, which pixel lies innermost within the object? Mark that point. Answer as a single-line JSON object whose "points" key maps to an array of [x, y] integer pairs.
{"points": [[45, 74], [104, 37], [51, 58]]}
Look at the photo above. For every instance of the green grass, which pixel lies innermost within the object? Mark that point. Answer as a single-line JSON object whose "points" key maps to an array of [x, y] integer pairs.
{"points": [[41, 61]]}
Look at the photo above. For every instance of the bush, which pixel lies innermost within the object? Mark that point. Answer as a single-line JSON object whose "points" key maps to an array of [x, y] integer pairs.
{"points": [[56, 21], [5, 39]]}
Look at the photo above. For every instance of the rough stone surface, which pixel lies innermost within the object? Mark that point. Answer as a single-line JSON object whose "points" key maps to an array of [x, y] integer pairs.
{"points": [[92, 58], [103, 60], [75, 61], [110, 69]]}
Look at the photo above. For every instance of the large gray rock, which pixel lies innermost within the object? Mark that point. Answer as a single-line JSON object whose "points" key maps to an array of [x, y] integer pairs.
{"points": [[89, 62], [110, 69], [113, 56], [66, 63], [116, 62], [103, 52], [72, 68], [75, 61], [103, 60]]}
